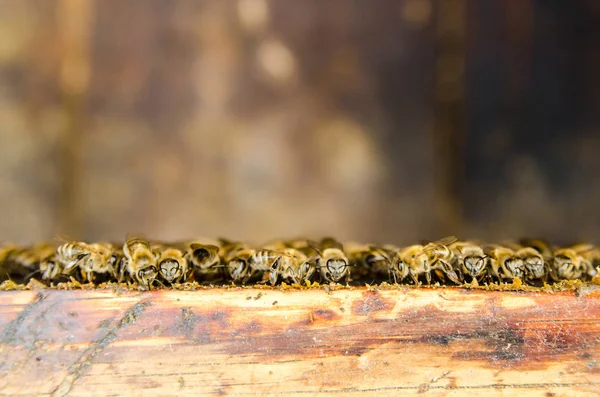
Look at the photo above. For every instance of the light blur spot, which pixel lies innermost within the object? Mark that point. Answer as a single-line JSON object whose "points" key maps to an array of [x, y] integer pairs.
{"points": [[416, 12], [276, 60], [253, 14], [351, 161]]}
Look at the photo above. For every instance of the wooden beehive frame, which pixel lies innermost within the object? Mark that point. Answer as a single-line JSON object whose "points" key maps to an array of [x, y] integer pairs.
{"points": [[248, 341]]}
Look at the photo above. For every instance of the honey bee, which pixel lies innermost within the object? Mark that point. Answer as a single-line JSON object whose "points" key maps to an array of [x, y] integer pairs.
{"points": [[293, 265], [71, 254], [570, 264], [238, 266], [537, 256], [264, 261], [368, 260], [23, 262], [591, 253], [204, 258], [117, 257], [90, 259], [51, 269], [536, 268], [172, 264], [504, 264], [435, 256], [399, 267], [471, 260], [98, 262], [139, 262], [332, 262], [540, 245], [5, 253]]}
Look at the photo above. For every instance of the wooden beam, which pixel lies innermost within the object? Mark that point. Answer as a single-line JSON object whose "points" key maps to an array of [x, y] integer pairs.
{"points": [[234, 341]]}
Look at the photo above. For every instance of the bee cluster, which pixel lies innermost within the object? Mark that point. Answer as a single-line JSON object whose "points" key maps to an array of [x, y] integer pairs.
{"points": [[447, 261]]}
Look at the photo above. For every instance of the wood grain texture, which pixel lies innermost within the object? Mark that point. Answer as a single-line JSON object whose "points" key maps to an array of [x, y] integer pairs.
{"points": [[436, 342]]}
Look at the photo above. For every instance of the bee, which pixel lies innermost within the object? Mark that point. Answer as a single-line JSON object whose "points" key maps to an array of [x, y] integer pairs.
{"points": [[399, 267], [540, 245], [591, 254], [98, 262], [435, 256], [139, 262], [116, 258], [471, 260], [5, 264], [262, 260], [238, 265], [204, 258], [331, 262], [504, 264], [293, 265], [172, 264], [51, 269], [536, 267], [537, 256], [24, 261], [71, 255], [369, 260], [571, 264], [5, 251]]}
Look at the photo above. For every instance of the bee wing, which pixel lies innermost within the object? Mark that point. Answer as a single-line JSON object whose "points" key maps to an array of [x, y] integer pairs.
{"points": [[136, 236], [314, 260], [489, 250], [583, 248], [314, 246], [436, 244], [387, 254], [445, 241], [330, 242], [225, 242], [62, 239]]}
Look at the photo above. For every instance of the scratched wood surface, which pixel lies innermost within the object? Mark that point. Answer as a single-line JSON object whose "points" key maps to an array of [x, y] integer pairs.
{"points": [[273, 342]]}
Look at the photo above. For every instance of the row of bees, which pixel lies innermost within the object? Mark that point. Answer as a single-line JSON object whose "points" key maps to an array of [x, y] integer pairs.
{"points": [[446, 261]]}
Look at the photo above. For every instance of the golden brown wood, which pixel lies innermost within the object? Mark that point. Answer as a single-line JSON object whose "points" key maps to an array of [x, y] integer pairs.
{"points": [[285, 342]]}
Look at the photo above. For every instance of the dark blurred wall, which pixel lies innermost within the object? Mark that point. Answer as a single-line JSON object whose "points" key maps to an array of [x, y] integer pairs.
{"points": [[254, 119]]}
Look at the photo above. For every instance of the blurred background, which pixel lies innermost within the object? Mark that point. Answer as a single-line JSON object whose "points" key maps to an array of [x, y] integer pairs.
{"points": [[379, 120]]}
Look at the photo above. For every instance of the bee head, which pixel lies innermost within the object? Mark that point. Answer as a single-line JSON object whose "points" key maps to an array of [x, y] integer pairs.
{"points": [[514, 266], [474, 265], [147, 275], [563, 265], [238, 268], [400, 268], [535, 266], [306, 270], [170, 270], [337, 268]]}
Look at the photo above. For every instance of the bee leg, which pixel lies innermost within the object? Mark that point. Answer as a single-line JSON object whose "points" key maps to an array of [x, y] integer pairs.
{"points": [[121, 274], [266, 278], [83, 275], [414, 278], [428, 277], [451, 274], [273, 278]]}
